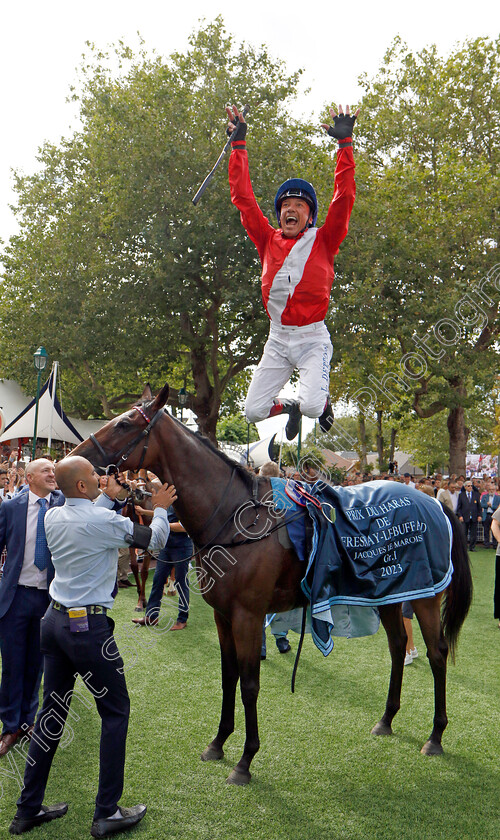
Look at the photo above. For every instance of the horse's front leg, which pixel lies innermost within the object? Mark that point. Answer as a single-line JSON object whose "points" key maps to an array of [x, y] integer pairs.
{"points": [[134, 567], [146, 562], [247, 632], [392, 620], [229, 667]]}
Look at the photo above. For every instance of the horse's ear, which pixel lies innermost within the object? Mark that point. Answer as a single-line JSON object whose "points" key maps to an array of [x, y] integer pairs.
{"points": [[161, 398], [147, 393]]}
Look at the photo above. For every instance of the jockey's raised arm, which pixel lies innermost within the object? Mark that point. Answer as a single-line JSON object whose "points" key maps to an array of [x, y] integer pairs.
{"points": [[297, 276]]}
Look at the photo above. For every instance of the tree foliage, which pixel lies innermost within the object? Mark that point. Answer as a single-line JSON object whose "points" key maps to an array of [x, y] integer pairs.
{"points": [[424, 238], [124, 281], [235, 429], [114, 270]]}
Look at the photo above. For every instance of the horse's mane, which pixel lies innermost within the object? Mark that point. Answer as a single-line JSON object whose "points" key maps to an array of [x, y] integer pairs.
{"points": [[243, 473]]}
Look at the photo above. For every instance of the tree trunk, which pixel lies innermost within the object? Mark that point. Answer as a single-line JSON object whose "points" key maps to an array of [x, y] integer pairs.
{"points": [[362, 441], [204, 404], [380, 443], [459, 435], [393, 443]]}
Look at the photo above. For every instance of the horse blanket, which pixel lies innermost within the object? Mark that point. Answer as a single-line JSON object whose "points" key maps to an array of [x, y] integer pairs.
{"points": [[372, 544]]}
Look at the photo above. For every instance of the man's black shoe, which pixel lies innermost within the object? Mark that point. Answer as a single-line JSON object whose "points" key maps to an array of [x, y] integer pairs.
{"points": [[283, 645], [326, 419], [294, 417], [50, 812], [108, 825]]}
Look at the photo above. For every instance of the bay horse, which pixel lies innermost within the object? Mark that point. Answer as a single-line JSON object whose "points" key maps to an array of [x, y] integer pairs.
{"points": [[245, 579]]}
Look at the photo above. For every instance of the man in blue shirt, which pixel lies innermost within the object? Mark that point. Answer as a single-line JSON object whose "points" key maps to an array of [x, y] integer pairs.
{"points": [[77, 638]]}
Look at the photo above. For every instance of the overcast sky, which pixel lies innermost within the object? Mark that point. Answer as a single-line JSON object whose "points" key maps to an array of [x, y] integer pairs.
{"points": [[42, 45]]}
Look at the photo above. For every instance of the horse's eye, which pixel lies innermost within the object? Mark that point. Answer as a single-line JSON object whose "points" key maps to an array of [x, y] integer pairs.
{"points": [[123, 424]]}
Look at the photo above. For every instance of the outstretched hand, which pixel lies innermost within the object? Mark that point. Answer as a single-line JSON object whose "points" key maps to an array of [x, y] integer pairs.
{"points": [[164, 497], [343, 123], [236, 123]]}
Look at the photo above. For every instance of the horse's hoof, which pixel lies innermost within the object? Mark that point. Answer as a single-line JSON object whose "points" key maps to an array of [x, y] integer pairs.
{"points": [[212, 754], [138, 609], [238, 777], [432, 748], [381, 729]]}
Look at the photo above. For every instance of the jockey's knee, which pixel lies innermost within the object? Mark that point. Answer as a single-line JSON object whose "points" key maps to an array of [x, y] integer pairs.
{"points": [[313, 407], [255, 412]]}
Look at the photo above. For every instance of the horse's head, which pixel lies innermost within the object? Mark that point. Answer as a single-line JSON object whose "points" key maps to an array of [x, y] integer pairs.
{"points": [[124, 440]]}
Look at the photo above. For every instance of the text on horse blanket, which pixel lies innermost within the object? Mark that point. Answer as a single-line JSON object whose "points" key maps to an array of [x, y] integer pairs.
{"points": [[375, 543]]}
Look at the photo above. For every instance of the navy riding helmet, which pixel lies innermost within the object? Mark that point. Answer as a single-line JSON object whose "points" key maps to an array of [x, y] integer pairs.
{"points": [[297, 188]]}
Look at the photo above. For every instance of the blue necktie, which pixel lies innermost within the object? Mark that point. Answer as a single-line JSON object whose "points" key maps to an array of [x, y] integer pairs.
{"points": [[42, 553]]}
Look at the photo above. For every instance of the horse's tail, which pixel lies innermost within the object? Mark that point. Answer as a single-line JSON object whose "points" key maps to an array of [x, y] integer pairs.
{"points": [[458, 596]]}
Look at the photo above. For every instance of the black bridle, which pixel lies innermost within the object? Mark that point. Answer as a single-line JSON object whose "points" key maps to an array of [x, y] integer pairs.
{"points": [[127, 450]]}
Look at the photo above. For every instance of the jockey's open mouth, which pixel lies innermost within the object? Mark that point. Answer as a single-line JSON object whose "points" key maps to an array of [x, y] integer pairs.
{"points": [[290, 223]]}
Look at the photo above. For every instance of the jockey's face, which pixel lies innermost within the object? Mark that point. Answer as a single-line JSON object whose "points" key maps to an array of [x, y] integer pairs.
{"points": [[295, 215]]}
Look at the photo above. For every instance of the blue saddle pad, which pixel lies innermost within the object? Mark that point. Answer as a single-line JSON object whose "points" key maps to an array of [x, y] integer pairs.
{"points": [[375, 543]]}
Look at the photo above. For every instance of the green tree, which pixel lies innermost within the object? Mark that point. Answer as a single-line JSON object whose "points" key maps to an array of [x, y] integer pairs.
{"points": [[311, 458], [234, 428], [115, 271], [420, 279]]}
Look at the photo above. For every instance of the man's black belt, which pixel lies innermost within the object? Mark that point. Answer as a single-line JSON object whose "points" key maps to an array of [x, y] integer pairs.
{"points": [[92, 609], [23, 586]]}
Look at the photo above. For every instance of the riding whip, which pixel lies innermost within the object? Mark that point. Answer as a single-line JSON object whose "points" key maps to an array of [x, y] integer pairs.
{"points": [[219, 161]]}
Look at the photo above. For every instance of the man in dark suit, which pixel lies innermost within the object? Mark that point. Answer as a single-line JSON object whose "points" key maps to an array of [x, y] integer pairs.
{"points": [[469, 511], [24, 599], [490, 501]]}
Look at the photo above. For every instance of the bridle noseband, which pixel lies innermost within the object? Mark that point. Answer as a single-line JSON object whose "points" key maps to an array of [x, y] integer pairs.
{"points": [[127, 450]]}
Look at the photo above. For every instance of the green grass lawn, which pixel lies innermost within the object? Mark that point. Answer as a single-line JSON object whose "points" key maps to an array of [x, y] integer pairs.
{"points": [[319, 774]]}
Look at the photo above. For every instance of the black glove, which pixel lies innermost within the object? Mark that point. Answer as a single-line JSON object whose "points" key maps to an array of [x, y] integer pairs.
{"points": [[342, 127], [239, 132]]}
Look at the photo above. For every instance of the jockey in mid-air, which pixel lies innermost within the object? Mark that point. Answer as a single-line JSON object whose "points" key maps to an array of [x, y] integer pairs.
{"points": [[297, 277]]}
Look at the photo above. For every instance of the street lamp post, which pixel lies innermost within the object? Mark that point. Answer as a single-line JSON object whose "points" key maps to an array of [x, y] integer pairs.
{"points": [[182, 398], [40, 361], [299, 443]]}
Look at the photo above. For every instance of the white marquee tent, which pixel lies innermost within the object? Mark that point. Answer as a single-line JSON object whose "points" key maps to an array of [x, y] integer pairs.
{"points": [[53, 423], [18, 413], [259, 451]]}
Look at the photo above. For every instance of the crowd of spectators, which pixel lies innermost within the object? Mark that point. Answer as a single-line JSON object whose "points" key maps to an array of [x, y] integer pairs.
{"points": [[446, 488], [473, 499]]}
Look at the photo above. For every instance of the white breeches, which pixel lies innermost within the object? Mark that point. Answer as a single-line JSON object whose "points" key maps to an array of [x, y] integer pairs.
{"points": [[308, 349]]}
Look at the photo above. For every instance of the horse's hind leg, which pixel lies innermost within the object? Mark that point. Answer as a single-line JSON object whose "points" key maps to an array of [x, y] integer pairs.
{"points": [[229, 666], [392, 620], [429, 618]]}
